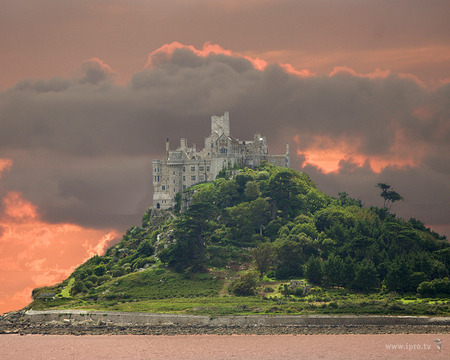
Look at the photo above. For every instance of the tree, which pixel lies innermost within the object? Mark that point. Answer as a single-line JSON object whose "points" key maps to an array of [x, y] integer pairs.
{"points": [[78, 287], [264, 256], [146, 248], [284, 189], [289, 257], [389, 195], [366, 276], [398, 277], [251, 190], [249, 217], [314, 270], [333, 269], [190, 246], [100, 270]]}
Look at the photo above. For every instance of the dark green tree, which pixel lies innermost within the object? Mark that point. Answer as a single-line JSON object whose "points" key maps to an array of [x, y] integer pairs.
{"points": [[334, 270], [314, 270], [284, 189], [264, 256], [100, 270], [389, 195], [398, 277], [289, 258], [366, 276]]}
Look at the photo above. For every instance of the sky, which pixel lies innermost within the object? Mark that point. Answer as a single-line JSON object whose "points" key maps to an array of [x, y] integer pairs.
{"points": [[90, 90]]}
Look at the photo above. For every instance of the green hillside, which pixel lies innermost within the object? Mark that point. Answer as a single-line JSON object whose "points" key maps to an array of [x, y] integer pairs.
{"points": [[264, 241]]}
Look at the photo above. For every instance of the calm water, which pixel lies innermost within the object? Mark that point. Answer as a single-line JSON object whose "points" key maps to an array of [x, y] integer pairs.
{"points": [[246, 347]]}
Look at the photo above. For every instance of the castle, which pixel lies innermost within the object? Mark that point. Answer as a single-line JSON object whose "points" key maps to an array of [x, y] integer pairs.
{"points": [[186, 166]]}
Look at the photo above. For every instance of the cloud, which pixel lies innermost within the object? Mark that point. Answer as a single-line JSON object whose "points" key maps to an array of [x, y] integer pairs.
{"points": [[34, 253], [93, 71], [87, 143]]}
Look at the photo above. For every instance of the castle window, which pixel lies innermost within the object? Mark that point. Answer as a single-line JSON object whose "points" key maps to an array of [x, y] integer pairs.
{"points": [[192, 168], [207, 168], [158, 178], [193, 177], [163, 187], [184, 178], [184, 187], [201, 178], [184, 169], [201, 168]]}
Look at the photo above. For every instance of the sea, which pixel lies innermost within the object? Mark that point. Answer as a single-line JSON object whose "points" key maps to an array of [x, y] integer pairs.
{"points": [[211, 347]]}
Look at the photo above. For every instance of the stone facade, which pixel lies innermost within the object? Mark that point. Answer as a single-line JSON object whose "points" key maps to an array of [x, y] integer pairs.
{"points": [[186, 166]]}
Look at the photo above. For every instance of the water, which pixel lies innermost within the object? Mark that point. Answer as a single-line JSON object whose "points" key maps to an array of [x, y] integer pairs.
{"points": [[248, 347]]}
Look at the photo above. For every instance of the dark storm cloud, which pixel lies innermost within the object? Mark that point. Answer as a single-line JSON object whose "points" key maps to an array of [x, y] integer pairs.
{"points": [[82, 147]]}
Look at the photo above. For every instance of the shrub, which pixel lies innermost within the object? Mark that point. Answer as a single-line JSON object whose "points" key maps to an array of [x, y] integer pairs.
{"points": [[92, 278], [100, 270], [333, 305], [245, 285], [104, 278], [299, 291], [78, 287], [118, 271], [434, 288]]}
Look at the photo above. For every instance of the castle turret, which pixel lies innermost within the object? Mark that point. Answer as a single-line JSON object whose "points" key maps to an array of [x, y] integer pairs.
{"points": [[288, 156], [167, 147], [183, 144]]}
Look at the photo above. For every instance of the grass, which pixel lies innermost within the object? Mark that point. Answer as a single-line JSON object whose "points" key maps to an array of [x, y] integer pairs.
{"points": [[65, 292], [156, 284], [163, 291]]}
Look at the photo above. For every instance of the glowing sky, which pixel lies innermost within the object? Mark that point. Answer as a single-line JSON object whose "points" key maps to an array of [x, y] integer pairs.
{"points": [[89, 90]]}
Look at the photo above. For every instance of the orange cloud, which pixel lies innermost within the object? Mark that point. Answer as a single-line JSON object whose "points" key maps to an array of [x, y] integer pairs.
{"points": [[166, 51], [326, 154], [5, 165], [17, 209], [301, 73], [378, 73], [34, 253]]}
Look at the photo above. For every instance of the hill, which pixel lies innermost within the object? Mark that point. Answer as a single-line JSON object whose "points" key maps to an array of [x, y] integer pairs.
{"points": [[264, 241]]}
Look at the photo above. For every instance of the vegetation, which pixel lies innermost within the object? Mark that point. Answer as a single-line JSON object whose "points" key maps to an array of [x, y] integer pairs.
{"points": [[243, 238]]}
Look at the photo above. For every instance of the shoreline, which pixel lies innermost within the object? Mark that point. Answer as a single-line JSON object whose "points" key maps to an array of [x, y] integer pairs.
{"points": [[82, 322]]}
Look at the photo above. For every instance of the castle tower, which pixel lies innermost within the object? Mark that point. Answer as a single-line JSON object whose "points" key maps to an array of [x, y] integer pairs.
{"points": [[221, 124]]}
